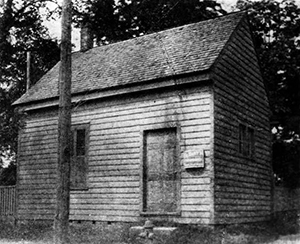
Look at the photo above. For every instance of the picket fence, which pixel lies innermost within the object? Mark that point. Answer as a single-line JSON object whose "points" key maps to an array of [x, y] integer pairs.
{"points": [[7, 201]]}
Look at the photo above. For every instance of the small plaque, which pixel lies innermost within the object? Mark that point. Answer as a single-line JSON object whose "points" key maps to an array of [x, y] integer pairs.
{"points": [[193, 159]]}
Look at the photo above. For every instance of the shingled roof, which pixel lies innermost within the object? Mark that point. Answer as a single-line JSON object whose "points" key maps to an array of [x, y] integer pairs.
{"points": [[182, 50]]}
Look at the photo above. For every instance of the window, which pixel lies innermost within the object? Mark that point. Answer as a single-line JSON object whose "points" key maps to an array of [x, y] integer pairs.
{"points": [[160, 171], [79, 160], [246, 140]]}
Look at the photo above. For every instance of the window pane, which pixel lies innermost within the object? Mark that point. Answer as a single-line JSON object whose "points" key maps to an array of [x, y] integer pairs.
{"points": [[80, 142], [251, 141], [242, 137]]}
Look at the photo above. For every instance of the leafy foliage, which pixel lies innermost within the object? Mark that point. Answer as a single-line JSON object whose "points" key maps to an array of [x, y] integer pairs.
{"points": [[276, 27], [21, 30], [120, 20]]}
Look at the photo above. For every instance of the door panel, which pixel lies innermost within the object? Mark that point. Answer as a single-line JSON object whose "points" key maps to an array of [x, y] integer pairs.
{"points": [[161, 182]]}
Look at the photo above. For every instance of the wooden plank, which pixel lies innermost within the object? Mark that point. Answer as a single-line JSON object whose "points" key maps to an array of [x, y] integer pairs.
{"points": [[122, 144], [118, 167], [95, 162], [36, 142], [108, 157], [41, 128], [196, 181], [243, 195], [121, 191], [233, 214], [41, 123], [128, 173], [106, 201], [197, 201], [106, 212], [228, 207], [41, 156], [95, 217], [186, 188], [196, 208], [242, 202], [95, 195], [199, 214], [114, 151], [113, 179], [120, 184], [196, 194], [103, 207], [244, 180]]}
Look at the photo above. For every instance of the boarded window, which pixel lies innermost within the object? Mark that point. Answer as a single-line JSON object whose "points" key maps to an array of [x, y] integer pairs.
{"points": [[79, 156], [160, 172], [246, 140]]}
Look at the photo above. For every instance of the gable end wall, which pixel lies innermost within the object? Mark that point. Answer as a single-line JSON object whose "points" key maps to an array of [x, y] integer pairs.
{"points": [[242, 183]]}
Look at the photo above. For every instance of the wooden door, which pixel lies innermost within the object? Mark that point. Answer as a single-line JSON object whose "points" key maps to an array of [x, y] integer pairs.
{"points": [[161, 167]]}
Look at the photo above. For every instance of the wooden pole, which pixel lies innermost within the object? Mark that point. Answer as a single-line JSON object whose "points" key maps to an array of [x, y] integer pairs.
{"points": [[28, 70], [61, 222]]}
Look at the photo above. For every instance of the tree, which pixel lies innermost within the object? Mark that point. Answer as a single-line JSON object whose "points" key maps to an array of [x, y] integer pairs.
{"points": [[276, 27], [21, 30], [120, 20]]}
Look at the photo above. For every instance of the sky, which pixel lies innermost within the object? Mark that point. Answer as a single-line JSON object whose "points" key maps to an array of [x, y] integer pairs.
{"points": [[55, 26]]}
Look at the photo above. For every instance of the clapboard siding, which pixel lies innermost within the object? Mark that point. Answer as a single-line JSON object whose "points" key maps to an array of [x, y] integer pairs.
{"points": [[37, 166], [115, 139], [242, 184], [114, 156]]}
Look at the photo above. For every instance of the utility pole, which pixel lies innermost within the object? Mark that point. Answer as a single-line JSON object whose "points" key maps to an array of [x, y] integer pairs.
{"points": [[61, 221], [28, 70]]}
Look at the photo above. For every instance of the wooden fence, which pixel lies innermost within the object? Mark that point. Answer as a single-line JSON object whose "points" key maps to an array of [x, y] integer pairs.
{"points": [[7, 201]]}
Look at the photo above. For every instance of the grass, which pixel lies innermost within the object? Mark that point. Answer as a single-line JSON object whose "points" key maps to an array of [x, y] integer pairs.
{"points": [[88, 233], [85, 233]]}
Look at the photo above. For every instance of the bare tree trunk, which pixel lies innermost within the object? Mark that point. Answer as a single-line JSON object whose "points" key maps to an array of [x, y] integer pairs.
{"points": [[61, 222]]}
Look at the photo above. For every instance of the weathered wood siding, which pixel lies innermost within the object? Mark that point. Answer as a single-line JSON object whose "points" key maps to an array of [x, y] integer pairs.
{"points": [[114, 158], [37, 166], [242, 184]]}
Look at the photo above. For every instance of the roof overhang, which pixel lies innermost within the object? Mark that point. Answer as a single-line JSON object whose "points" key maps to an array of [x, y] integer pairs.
{"points": [[178, 81]]}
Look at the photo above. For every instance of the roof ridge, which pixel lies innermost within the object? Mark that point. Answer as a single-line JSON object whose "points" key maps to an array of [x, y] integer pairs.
{"points": [[166, 30]]}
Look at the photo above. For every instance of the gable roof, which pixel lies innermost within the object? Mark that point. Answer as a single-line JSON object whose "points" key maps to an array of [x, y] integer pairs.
{"points": [[181, 50]]}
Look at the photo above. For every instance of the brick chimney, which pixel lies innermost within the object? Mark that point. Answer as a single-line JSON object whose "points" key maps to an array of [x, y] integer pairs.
{"points": [[86, 38]]}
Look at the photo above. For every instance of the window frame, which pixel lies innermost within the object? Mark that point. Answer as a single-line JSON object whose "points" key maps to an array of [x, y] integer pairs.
{"points": [[74, 129], [246, 140]]}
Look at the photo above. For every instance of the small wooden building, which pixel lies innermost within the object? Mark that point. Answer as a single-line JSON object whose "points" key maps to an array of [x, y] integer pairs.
{"points": [[170, 126]]}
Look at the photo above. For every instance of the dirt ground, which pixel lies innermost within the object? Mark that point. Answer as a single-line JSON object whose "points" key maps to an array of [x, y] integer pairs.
{"points": [[88, 233], [289, 239]]}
